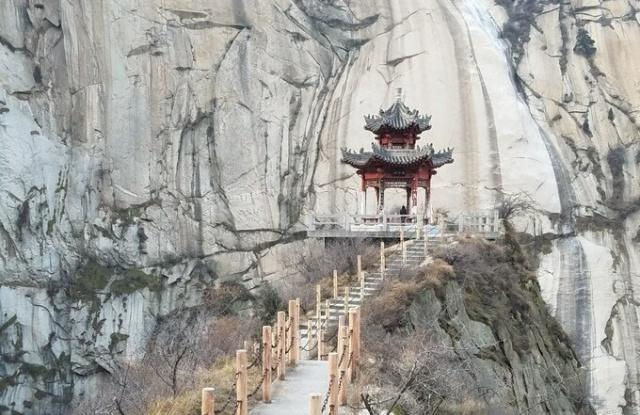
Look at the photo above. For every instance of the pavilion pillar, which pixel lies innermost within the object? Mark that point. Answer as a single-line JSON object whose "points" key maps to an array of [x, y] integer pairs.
{"points": [[377, 189], [381, 199], [414, 197], [363, 202], [408, 204], [427, 203]]}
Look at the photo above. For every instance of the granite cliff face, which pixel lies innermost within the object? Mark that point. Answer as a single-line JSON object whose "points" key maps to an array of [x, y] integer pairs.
{"points": [[148, 148]]}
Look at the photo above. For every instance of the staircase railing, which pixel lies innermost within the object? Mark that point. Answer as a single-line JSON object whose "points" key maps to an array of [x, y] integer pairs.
{"points": [[281, 346]]}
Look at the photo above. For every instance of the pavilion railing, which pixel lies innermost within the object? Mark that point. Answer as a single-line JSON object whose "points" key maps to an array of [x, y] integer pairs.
{"points": [[478, 223]]}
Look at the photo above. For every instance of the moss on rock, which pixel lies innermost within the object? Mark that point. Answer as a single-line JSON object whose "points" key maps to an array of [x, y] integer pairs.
{"points": [[132, 280]]}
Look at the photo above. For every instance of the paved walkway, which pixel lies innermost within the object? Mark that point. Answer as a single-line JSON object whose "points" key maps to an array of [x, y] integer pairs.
{"points": [[291, 396]]}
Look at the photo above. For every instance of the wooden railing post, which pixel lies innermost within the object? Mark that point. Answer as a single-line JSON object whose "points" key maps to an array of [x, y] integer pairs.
{"points": [[356, 354], [208, 401], [282, 345], [333, 382], [315, 404], [327, 305], [319, 335], [335, 283], [318, 299], [319, 320], [354, 343], [241, 382], [296, 333], [346, 299], [382, 259], [290, 333], [343, 360], [359, 262], [266, 364]]}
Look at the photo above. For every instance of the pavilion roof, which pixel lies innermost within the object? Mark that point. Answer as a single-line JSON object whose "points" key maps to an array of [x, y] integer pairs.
{"points": [[397, 157], [397, 117]]}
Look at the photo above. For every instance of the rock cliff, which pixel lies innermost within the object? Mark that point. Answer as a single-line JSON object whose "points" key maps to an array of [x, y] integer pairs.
{"points": [[148, 148], [476, 337]]}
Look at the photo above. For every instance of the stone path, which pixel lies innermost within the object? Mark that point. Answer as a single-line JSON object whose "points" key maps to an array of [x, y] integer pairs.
{"points": [[291, 396]]}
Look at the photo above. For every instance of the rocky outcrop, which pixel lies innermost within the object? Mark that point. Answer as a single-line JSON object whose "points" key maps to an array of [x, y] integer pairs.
{"points": [[476, 337], [188, 139]]}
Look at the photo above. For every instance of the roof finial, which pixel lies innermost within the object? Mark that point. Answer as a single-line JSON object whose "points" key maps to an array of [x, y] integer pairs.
{"points": [[398, 94]]}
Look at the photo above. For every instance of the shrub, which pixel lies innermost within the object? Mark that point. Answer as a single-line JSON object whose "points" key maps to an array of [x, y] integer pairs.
{"points": [[267, 304], [390, 309], [222, 299], [584, 44], [133, 280], [91, 278]]}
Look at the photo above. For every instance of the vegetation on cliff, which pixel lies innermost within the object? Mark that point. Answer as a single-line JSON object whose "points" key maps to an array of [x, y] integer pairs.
{"points": [[469, 334]]}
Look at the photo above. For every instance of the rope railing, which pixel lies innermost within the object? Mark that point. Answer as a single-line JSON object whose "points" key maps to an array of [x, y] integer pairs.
{"points": [[341, 368], [281, 345]]}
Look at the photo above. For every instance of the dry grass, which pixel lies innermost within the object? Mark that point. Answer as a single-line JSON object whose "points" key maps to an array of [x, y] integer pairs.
{"points": [[222, 378], [467, 407], [390, 308]]}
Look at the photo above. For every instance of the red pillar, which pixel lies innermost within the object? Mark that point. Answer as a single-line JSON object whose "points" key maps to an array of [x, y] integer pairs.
{"points": [[414, 193]]}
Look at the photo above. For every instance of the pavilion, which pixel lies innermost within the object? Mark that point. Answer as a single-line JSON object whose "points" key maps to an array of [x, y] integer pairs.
{"points": [[395, 161]]}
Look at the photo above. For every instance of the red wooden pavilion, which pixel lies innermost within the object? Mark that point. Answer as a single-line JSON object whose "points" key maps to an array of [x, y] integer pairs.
{"points": [[395, 161]]}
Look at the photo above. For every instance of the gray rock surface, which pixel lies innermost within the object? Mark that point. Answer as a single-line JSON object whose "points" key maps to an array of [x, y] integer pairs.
{"points": [[188, 139]]}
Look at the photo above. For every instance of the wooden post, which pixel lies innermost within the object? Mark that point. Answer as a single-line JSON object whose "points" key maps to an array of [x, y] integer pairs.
{"points": [[319, 335], [341, 323], [362, 289], [333, 381], [241, 382], [266, 364], [343, 359], [208, 401], [282, 345], [296, 333], [315, 404], [355, 358], [248, 346], [318, 299], [327, 304], [353, 344], [346, 299], [382, 259], [359, 261], [291, 332], [335, 283], [274, 344]]}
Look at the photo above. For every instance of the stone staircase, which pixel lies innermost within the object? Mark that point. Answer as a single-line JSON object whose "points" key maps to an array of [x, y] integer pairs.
{"points": [[415, 255]]}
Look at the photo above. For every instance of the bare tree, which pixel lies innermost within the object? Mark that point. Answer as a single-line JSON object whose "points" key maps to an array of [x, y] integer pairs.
{"points": [[308, 267], [184, 343], [419, 373], [514, 205]]}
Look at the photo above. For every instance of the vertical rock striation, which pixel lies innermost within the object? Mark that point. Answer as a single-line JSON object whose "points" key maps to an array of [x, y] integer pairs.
{"points": [[171, 143]]}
